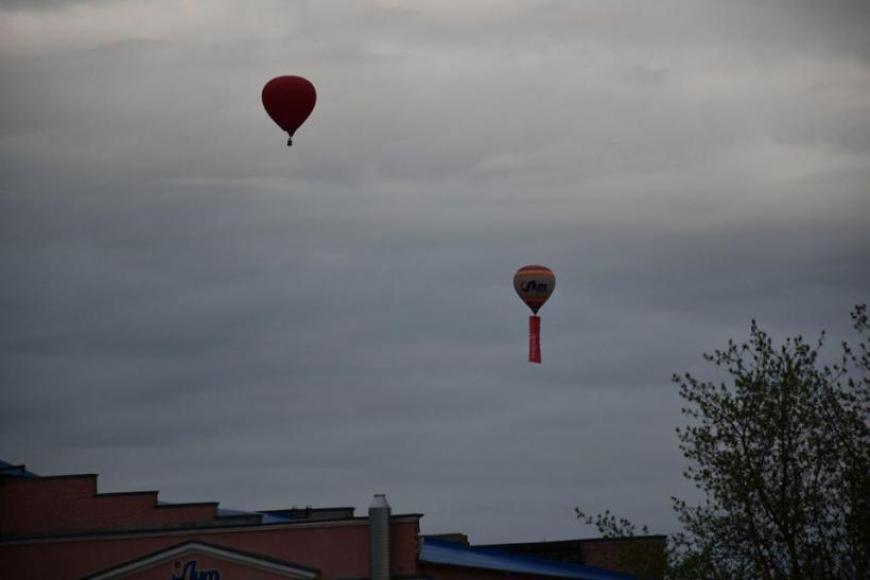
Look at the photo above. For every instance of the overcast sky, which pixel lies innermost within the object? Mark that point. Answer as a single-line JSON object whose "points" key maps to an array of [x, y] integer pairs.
{"points": [[190, 306]]}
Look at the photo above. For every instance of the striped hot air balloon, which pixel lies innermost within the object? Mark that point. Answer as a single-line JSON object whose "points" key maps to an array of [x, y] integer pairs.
{"points": [[534, 284]]}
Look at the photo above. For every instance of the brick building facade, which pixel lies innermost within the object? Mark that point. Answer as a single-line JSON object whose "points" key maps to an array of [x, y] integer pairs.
{"points": [[62, 527]]}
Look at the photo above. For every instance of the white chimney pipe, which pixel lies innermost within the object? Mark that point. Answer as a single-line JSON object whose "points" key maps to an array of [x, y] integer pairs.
{"points": [[379, 538]]}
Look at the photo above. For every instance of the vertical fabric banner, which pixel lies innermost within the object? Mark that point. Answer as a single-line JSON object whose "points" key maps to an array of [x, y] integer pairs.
{"points": [[535, 339]]}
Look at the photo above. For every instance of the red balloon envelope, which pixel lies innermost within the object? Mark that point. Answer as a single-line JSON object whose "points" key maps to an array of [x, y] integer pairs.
{"points": [[289, 100], [534, 284]]}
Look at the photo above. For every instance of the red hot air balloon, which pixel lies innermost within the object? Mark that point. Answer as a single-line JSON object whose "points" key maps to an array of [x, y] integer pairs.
{"points": [[534, 284], [288, 101]]}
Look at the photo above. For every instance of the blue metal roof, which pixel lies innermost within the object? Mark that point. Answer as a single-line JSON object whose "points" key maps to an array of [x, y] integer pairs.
{"points": [[224, 512], [271, 518], [10, 470], [435, 551], [265, 517]]}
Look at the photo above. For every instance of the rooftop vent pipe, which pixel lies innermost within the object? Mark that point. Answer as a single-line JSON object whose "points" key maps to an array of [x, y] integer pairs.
{"points": [[379, 538]]}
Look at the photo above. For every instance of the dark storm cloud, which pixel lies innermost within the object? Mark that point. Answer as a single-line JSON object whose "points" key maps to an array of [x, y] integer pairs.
{"points": [[182, 293]]}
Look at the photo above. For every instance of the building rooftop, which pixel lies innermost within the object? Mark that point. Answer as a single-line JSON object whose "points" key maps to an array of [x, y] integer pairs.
{"points": [[10, 470], [87, 512], [451, 553]]}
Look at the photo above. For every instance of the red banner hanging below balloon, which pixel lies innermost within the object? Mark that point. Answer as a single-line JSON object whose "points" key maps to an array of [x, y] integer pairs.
{"points": [[535, 339]]}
